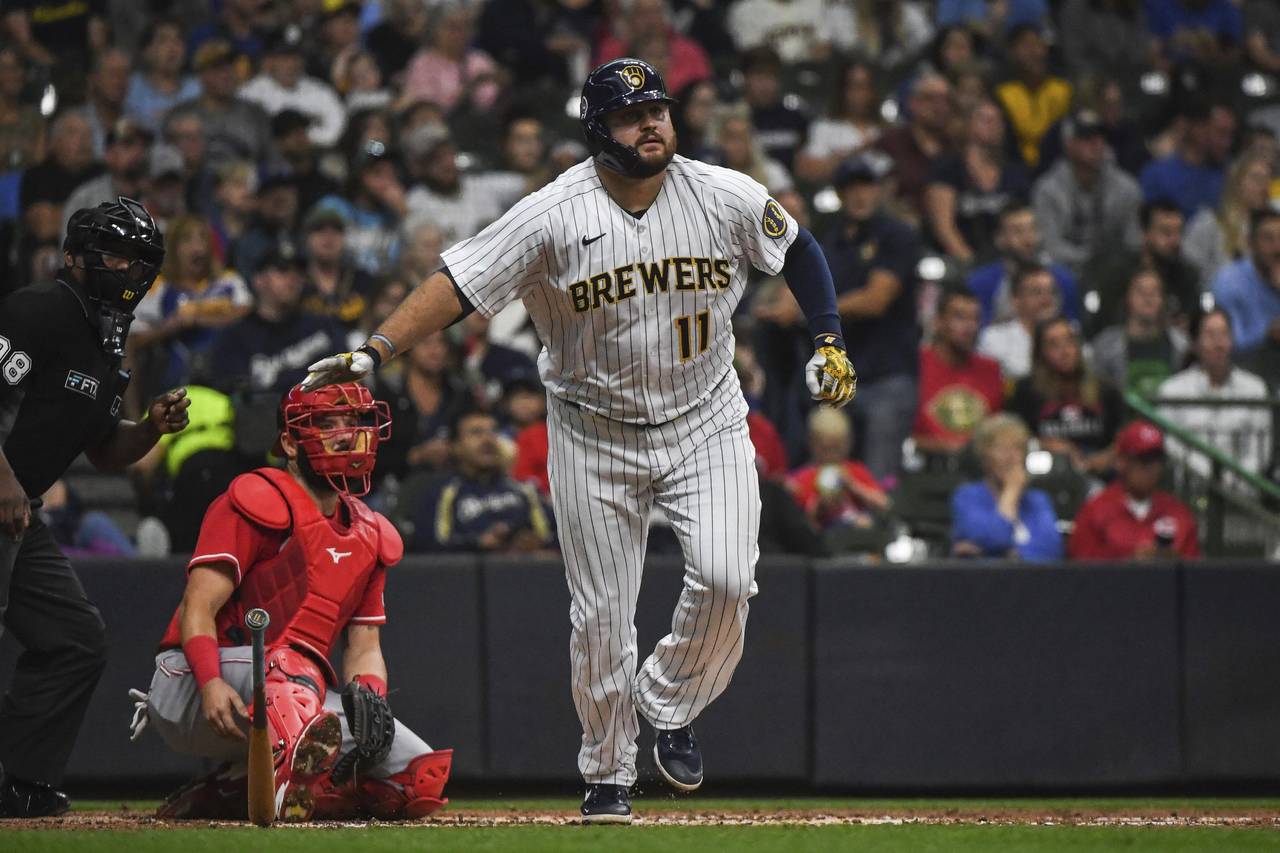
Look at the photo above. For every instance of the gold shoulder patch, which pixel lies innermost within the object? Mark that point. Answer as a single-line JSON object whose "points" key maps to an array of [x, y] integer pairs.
{"points": [[774, 220]]}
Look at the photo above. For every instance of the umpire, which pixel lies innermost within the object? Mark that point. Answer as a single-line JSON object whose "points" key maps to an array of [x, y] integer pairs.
{"points": [[61, 388]]}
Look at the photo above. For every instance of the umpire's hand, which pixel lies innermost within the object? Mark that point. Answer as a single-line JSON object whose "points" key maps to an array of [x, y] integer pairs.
{"points": [[168, 412], [15, 506]]}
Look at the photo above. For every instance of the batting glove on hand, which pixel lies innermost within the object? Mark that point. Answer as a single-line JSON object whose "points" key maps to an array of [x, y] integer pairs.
{"points": [[343, 367], [830, 376]]}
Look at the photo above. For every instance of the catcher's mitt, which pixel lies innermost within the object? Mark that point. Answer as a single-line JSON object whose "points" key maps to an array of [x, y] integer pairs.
{"points": [[372, 727]]}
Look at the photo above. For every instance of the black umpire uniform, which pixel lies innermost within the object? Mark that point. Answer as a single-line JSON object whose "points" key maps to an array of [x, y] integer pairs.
{"points": [[61, 390]]}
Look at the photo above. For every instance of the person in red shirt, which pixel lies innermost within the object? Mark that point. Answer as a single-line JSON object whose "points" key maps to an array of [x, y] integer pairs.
{"points": [[958, 387], [1131, 519], [300, 544], [644, 24], [832, 489]]}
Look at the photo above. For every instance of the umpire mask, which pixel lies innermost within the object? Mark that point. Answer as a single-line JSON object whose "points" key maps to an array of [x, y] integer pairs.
{"points": [[121, 250]]}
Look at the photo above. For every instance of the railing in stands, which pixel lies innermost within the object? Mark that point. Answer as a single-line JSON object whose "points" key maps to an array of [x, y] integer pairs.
{"points": [[1236, 506]]}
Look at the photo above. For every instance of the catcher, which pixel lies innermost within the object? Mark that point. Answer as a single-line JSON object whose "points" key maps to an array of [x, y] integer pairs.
{"points": [[300, 544]]}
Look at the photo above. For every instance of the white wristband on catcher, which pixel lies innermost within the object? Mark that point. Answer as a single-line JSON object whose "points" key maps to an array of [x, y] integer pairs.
{"points": [[344, 367]]}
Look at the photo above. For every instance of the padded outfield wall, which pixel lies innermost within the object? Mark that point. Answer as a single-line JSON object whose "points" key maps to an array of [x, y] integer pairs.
{"points": [[941, 677]]}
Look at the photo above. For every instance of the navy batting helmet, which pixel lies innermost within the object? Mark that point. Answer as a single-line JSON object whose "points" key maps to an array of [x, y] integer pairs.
{"points": [[617, 84]]}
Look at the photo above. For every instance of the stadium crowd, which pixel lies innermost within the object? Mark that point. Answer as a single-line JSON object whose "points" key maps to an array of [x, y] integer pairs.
{"points": [[1029, 208]]}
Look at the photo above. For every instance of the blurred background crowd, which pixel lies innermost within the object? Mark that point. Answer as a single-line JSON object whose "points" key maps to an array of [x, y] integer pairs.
{"points": [[1052, 226]]}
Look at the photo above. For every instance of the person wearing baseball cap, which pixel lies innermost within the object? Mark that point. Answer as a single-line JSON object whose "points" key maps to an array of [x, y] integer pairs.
{"points": [[1132, 518], [283, 83]]}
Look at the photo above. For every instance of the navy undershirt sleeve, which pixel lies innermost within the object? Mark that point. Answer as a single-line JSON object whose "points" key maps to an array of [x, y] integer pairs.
{"points": [[809, 278], [467, 307]]}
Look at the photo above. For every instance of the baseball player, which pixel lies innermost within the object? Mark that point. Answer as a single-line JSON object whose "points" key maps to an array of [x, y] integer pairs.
{"points": [[61, 389], [631, 264], [300, 544]]}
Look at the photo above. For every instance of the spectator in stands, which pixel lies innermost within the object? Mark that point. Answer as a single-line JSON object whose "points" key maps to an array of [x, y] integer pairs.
{"points": [[282, 84], [128, 144], [47, 185], [449, 71], [1249, 289], [740, 150], [372, 206], [804, 31], [477, 507], [423, 397], [1219, 236], [891, 35], [192, 299], [1207, 33], [1035, 300], [269, 350], [534, 40], [240, 24], [420, 251], [235, 197], [852, 122], [1161, 250], [235, 129], [296, 154], [79, 532], [274, 218], [692, 115], [833, 490], [166, 197], [1145, 350], [1241, 432], [22, 127], [1132, 519], [1065, 405], [633, 18], [337, 41], [524, 149], [1192, 176], [108, 85], [1085, 204], [873, 260], [185, 132], [60, 36], [781, 130], [1262, 35], [334, 286], [1099, 38], [397, 37], [162, 83], [1018, 239], [488, 366], [921, 141], [1033, 99], [998, 516], [459, 204], [968, 189], [958, 387], [991, 18]]}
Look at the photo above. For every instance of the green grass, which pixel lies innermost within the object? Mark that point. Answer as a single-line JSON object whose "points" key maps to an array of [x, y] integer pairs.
{"points": [[866, 839]]}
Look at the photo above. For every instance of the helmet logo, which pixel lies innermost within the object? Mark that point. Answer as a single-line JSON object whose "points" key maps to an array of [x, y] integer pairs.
{"points": [[632, 75]]}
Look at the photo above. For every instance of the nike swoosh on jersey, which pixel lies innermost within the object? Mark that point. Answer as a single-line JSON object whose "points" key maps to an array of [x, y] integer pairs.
{"points": [[587, 241]]}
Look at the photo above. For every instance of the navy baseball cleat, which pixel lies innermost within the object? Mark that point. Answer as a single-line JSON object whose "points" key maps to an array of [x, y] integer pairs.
{"points": [[606, 804], [19, 798], [678, 758]]}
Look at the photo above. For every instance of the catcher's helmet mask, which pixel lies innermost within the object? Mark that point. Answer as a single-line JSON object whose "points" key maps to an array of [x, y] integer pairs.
{"points": [[121, 229], [613, 86], [337, 430]]}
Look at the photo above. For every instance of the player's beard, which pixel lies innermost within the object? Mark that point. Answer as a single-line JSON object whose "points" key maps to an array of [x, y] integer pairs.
{"points": [[318, 483], [650, 165]]}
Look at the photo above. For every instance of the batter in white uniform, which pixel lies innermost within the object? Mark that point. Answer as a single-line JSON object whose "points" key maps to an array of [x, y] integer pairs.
{"points": [[630, 265]]}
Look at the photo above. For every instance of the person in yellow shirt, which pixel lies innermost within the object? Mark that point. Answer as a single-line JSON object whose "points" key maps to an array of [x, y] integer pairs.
{"points": [[1033, 99]]}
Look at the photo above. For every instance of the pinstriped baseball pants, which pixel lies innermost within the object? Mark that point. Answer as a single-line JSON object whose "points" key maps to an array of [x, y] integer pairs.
{"points": [[606, 478]]}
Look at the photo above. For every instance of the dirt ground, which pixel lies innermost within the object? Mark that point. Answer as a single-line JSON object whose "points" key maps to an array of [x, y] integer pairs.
{"points": [[127, 819]]}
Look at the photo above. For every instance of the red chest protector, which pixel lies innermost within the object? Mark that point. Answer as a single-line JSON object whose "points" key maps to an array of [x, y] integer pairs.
{"points": [[313, 585]]}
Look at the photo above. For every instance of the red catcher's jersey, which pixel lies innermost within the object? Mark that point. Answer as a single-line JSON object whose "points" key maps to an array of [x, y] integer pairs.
{"points": [[321, 576]]}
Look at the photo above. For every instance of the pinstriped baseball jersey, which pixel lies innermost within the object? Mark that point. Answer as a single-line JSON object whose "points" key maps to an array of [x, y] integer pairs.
{"points": [[634, 312]]}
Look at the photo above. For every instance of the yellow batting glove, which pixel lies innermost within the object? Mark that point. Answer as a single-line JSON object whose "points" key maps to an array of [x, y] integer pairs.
{"points": [[830, 376]]}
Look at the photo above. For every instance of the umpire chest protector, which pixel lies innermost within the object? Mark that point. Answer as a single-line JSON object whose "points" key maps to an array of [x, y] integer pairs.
{"points": [[314, 584]]}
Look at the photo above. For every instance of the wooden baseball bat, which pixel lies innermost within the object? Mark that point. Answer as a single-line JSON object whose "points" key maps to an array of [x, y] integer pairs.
{"points": [[262, 775]]}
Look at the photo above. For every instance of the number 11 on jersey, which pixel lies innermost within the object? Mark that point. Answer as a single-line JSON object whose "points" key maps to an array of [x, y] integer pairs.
{"points": [[685, 333]]}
